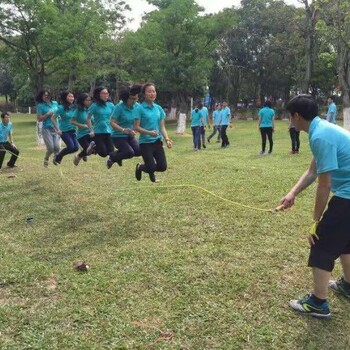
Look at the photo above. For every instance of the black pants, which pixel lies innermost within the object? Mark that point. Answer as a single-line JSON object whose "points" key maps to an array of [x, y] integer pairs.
{"points": [[216, 128], [14, 154], [128, 147], [224, 139], [202, 138], [294, 136], [153, 156], [104, 144], [266, 132], [84, 142]]}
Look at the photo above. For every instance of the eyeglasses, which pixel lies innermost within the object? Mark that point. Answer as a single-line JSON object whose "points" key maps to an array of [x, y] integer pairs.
{"points": [[104, 93]]}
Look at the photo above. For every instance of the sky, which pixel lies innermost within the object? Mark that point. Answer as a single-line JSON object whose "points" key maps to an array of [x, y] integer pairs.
{"points": [[211, 6]]}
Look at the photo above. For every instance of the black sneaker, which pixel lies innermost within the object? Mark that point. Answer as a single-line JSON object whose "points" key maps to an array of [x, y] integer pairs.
{"points": [[208, 139], [109, 163], [54, 161], [307, 306], [152, 177], [138, 172], [204, 146], [119, 162], [340, 287], [91, 148], [85, 158]]}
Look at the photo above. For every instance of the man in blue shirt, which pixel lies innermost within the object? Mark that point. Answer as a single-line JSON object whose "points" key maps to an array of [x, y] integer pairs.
{"points": [[332, 111], [6, 141], [329, 236]]}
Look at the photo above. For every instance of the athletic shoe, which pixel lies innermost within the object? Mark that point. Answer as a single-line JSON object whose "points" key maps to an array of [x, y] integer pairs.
{"points": [[109, 163], [204, 146], [91, 147], [11, 166], [54, 161], [76, 160], [340, 287], [292, 152], [85, 158], [269, 152], [119, 162], [307, 306], [208, 139], [46, 163], [195, 149], [262, 153], [152, 177], [138, 172]]}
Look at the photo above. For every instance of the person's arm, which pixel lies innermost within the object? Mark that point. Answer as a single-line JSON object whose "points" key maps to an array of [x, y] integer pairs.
{"points": [[89, 124], [163, 131], [73, 121], [10, 137], [117, 127], [305, 180], [53, 119], [259, 121], [138, 128], [42, 117], [273, 123]]}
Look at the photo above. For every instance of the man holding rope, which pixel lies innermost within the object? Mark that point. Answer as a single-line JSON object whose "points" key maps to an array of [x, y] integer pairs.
{"points": [[6, 141], [329, 235]]}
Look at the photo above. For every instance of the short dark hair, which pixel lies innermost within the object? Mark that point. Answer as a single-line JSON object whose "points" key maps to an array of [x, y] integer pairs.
{"points": [[3, 115], [39, 96], [268, 104], [332, 97], [305, 105], [128, 91]]}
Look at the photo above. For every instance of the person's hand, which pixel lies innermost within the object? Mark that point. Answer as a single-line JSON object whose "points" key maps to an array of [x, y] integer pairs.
{"points": [[169, 143], [312, 234], [153, 133], [288, 200], [129, 132], [92, 134], [13, 145], [85, 126], [50, 112]]}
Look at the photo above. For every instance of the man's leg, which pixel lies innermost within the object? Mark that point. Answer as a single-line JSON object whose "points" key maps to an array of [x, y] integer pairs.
{"points": [[2, 154], [14, 154], [321, 280]]}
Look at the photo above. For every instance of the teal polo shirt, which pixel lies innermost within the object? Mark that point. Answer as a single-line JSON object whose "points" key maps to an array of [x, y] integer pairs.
{"points": [[266, 117], [42, 108], [124, 116], [216, 117], [5, 130], [196, 118], [330, 146], [66, 117], [80, 116], [225, 116], [332, 108], [102, 114], [205, 114], [149, 117]]}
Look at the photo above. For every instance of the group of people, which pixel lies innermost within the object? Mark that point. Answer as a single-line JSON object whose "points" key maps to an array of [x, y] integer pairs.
{"points": [[105, 129], [99, 126], [200, 121]]}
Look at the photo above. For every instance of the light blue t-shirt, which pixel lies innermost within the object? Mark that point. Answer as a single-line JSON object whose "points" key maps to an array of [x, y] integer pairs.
{"points": [[5, 130], [124, 116], [196, 118], [102, 114], [217, 117], [42, 108], [66, 116], [266, 116], [330, 146], [150, 117], [80, 116], [332, 108], [225, 115], [205, 114]]}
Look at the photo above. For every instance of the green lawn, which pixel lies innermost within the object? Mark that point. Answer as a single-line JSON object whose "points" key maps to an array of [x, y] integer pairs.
{"points": [[170, 268]]}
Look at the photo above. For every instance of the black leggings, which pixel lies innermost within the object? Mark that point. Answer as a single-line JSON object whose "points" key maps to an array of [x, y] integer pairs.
{"points": [[153, 156], [224, 139], [266, 132], [104, 144], [84, 142]]}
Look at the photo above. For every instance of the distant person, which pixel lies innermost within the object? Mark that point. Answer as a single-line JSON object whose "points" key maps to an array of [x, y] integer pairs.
{"points": [[266, 126], [329, 236], [332, 111], [205, 123], [149, 122], [216, 123], [45, 109], [295, 138], [79, 119], [196, 124], [6, 141], [122, 123], [65, 129], [225, 121]]}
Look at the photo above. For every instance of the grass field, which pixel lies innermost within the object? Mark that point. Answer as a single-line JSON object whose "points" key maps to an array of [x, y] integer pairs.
{"points": [[170, 268]]}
